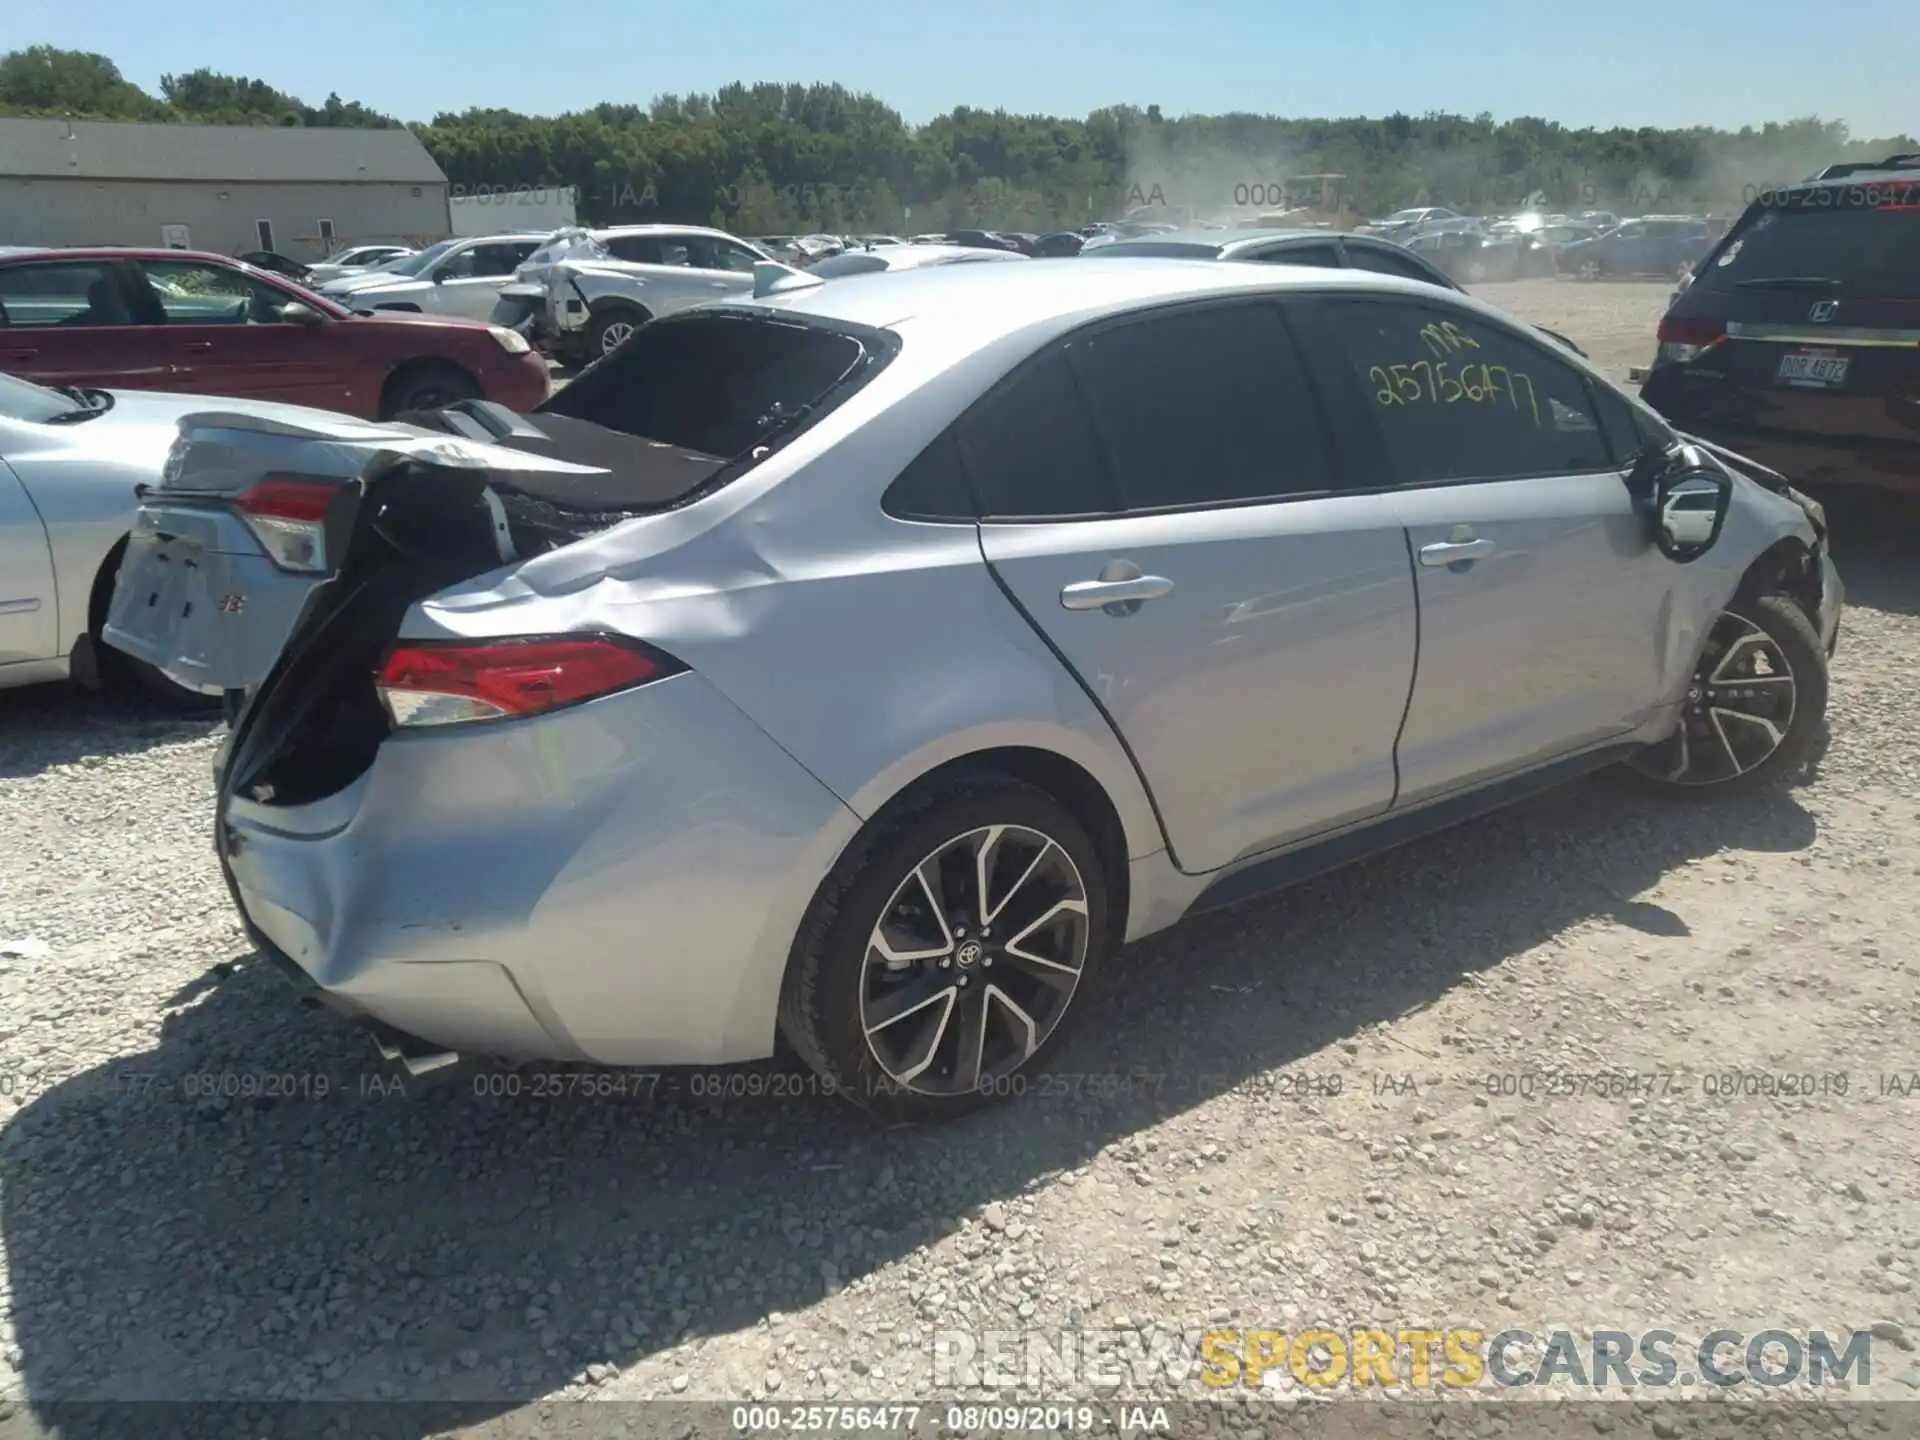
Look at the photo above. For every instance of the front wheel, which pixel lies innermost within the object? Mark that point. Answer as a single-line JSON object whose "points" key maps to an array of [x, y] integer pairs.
{"points": [[1589, 270], [1754, 706], [939, 960], [430, 385]]}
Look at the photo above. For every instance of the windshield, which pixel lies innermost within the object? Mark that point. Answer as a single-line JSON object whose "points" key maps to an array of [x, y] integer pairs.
{"points": [[1869, 250], [414, 264], [23, 400]]}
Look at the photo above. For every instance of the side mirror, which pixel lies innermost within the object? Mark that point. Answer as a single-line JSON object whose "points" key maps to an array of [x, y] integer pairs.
{"points": [[1689, 506], [296, 312], [440, 277]]}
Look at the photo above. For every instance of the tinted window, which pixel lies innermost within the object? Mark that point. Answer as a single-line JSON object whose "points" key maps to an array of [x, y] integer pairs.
{"points": [[933, 487], [65, 293], [717, 386], [1205, 406], [195, 294], [1385, 262], [1323, 255], [1871, 250], [491, 261], [1029, 447], [635, 249], [1461, 399]]}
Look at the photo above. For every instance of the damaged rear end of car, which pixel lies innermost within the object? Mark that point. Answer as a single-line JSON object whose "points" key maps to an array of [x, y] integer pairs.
{"points": [[426, 829]]}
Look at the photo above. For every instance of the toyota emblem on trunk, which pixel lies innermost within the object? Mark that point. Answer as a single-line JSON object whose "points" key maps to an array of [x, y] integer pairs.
{"points": [[1823, 312]]}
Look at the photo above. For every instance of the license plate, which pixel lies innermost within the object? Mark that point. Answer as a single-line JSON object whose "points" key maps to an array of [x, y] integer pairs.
{"points": [[1813, 369], [161, 585]]}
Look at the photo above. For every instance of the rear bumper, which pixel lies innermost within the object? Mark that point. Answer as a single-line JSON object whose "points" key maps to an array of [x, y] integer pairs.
{"points": [[237, 609], [1803, 459], [618, 883]]}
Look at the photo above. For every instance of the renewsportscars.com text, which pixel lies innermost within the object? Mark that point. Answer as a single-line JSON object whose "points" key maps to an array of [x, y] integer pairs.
{"points": [[1416, 1358]]}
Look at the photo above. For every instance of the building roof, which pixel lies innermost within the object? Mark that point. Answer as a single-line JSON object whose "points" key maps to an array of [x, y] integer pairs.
{"points": [[114, 150]]}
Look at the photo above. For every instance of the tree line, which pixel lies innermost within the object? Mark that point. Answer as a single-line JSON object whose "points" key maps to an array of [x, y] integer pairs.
{"points": [[775, 158]]}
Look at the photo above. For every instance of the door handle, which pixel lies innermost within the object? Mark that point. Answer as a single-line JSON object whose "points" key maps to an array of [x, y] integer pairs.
{"points": [[1117, 597], [1456, 552], [197, 346], [22, 354]]}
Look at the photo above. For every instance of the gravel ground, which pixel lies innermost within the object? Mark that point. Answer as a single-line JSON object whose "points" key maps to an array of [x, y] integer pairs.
{"points": [[359, 1234]]}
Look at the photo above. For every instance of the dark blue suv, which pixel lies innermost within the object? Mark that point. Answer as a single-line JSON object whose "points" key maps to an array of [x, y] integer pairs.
{"points": [[1654, 245]]}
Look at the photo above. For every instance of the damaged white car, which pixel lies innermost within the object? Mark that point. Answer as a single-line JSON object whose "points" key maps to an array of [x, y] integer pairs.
{"points": [[585, 291]]}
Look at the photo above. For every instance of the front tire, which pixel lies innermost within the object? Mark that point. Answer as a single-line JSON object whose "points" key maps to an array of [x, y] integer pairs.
{"points": [[917, 997], [1590, 270], [1754, 708], [428, 385]]}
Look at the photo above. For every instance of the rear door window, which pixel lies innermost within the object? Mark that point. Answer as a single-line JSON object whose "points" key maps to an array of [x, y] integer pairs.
{"points": [[1385, 262], [66, 292], [1870, 249], [1324, 256], [1205, 407], [1458, 398], [635, 249]]}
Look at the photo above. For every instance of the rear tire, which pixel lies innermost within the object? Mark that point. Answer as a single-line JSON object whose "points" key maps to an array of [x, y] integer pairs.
{"points": [[427, 385], [901, 1008], [1590, 270], [611, 328], [1764, 661]]}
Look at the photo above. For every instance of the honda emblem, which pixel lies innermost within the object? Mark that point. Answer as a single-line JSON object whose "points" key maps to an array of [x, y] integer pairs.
{"points": [[1823, 312]]}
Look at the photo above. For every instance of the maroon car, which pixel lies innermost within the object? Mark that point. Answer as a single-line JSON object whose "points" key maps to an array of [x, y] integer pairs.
{"points": [[209, 325]]}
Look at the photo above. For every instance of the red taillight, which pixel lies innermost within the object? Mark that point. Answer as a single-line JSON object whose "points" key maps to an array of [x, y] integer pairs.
{"points": [[451, 684], [288, 518], [1684, 340]]}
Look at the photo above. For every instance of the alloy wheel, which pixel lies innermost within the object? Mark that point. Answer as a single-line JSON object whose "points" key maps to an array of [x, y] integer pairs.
{"points": [[1739, 706], [974, 961], [615, 335], [1589, 269]]}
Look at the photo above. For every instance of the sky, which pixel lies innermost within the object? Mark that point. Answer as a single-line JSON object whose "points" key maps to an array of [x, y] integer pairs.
{"points": [[1724, 63]]}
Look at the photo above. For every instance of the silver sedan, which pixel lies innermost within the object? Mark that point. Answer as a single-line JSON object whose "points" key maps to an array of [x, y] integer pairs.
{"points": [[868, 660], [69, 462]]}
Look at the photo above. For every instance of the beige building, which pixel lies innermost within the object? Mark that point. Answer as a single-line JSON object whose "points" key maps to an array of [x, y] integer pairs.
{"points": [[226, 188]]}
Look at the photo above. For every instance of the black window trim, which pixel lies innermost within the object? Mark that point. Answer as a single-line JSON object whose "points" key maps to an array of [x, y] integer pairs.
{"points": [[1339, 455], [1351, 387]]}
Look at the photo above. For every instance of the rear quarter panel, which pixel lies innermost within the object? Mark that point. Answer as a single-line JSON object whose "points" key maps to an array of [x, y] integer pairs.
{"points": [[871, 649]]}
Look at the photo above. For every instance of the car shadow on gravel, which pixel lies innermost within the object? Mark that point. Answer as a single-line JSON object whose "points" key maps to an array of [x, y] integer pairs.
{"points": [[43, 727], [440, 1240]]}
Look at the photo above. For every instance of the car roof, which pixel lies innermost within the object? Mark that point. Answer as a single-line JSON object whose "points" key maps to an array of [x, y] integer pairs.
{"points": [[1213, 242], [117, 252], [656, 228], [986, 301]]}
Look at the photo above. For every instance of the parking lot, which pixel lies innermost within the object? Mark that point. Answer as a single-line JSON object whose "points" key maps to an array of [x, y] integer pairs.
{"points": [[1592, 1062]]}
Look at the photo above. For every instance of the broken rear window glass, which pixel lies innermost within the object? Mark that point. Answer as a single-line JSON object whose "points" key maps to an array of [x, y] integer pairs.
{"points": [[715, 384]]}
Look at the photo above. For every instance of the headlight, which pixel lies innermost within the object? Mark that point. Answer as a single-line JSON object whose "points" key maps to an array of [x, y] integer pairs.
{"points": [[511, 341]]}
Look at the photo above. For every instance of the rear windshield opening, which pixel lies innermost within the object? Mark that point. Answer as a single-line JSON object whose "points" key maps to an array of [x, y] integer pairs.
{"points": [[711, 384], [1867, 250]]}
